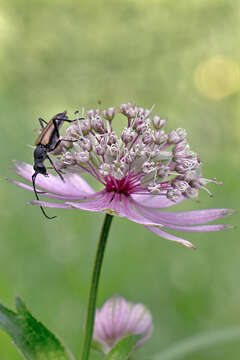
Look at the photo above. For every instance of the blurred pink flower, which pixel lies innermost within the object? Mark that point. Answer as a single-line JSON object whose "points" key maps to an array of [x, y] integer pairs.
{"points": [[142, 171], [118, 318]]}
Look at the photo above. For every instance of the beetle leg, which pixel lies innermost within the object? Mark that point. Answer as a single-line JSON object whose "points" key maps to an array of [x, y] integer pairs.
{"points": [[73, 120], [70, 140], [54, 167], [56, 145], [36, 194], [41, 122]]}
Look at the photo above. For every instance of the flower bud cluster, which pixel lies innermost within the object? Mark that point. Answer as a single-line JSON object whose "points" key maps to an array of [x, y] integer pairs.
{"points": [[144, 158]]}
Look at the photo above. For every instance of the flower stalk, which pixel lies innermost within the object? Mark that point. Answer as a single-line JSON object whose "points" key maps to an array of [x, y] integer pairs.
{"points": [[94, 286]]}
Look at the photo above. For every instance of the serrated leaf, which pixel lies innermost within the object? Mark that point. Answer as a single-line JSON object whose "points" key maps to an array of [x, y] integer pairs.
{"points": [[33, 340], [123, 348]]}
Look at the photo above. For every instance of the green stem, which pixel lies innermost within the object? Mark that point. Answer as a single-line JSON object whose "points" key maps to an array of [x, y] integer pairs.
{"points": [[94, 286]]}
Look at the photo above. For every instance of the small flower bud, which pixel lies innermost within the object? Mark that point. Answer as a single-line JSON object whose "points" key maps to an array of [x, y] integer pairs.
{"points": [[85, 126], [141, 128], [124, 109], [68, 159], [163, 171], [109, 113], [127, 135], [85, 144], [173, 137], [105, 169], [148, 167], [147, 138], [180, 185], [180, 147], [100, 150], [82, 156], [121, 318], [174, 194], [111, 138], [160, 137], [158, 123], [112, 151], [98, 125]]}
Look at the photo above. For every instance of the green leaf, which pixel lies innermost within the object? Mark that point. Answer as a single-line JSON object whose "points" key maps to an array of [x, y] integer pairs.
{"points": [[123, 349], [33, 340]]}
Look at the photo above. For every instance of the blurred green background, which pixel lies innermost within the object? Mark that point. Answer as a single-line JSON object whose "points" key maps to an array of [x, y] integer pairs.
{"points": [[182, 56]]}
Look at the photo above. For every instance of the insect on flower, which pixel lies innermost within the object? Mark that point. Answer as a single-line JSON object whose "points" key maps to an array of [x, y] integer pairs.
{"points": [[142, 171], [47, 141]]}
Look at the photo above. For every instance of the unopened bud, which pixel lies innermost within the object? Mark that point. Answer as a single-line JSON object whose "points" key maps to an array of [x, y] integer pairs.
{"points": [[158, 123], [82, 156], [109, 113], [127, 135]]}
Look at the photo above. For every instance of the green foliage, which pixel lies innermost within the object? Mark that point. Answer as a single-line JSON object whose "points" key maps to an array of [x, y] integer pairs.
{"points": [[123, 349], [33, 340]]}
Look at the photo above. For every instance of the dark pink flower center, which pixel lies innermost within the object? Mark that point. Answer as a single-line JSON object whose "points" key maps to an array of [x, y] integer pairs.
{"points": [[127, 185]]}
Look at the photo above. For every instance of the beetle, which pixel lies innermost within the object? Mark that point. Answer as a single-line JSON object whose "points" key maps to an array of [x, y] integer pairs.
{"points": [[47, 141]]}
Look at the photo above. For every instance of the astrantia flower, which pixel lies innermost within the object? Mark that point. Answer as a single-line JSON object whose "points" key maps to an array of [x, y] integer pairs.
{"points": [[118, 318], [141, 171]]}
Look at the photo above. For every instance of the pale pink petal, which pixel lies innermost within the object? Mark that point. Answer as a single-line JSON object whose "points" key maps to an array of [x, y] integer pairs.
{"points": [[72, 185], [113, 317], [129, 211], [49, 204], [120, 316], [156, 201], [99, 328], [168, 236], [49, 195], [107, 318], [199, 228], [97, 333], [185, 217], [140, 319], [99, 202], [115, 204]]}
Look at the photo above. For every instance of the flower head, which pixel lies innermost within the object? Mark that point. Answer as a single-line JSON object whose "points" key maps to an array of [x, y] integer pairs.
{"points": [[142, 170], [118, 318]]}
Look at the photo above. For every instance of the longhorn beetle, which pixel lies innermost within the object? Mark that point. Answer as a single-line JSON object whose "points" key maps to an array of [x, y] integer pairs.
{"points": [[47, 141]]}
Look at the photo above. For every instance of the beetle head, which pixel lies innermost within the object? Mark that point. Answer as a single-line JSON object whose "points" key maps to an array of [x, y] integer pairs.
{"points": [[61, 116]]}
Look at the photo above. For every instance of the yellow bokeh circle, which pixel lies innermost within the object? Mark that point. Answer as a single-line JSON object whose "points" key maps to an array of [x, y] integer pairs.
{"points": [[217, 77]]}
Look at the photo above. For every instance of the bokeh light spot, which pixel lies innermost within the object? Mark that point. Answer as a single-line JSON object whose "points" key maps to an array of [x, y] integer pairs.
{"points": [[217, 77]]}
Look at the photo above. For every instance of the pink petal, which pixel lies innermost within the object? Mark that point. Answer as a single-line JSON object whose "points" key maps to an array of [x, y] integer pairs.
{"points": [[140, 319], [200, 228], [73, 184], [99, 328], [120, 316], [46, 194], [185, 217], [168, 236], [49, 205], [97, 203], [115, 204], [113, 316], [129, 212], [107, 319], [155, 201]]}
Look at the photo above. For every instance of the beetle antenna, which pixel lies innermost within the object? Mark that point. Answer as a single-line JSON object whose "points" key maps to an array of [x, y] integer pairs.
{"points": [[35, 191]]}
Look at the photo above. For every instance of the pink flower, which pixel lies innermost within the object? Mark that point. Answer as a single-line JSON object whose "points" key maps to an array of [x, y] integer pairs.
{"points": [[142, 171], [118, 318]]}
